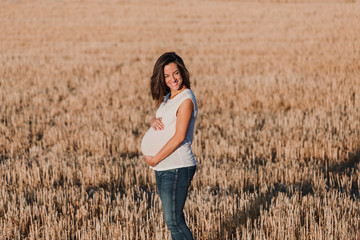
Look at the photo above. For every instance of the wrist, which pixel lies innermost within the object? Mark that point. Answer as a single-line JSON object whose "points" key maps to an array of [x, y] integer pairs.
{"points": [[155, 160]]}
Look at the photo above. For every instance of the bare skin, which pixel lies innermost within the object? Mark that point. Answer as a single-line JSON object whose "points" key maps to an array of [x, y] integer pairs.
{"points": [[157, 124]]}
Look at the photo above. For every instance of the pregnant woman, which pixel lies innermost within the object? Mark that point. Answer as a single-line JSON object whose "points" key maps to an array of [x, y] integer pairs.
{"points": [[167, 144]]}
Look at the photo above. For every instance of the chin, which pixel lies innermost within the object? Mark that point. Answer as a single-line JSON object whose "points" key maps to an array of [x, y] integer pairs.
{"points": [[175, 88]]}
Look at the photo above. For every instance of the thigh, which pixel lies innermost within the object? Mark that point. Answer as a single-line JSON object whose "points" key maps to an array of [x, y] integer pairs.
{"points": [[173, 187], [185, 175], [166, 182]]}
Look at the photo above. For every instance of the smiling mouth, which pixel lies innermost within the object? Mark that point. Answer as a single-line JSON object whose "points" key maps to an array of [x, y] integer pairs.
{"points": [[175, 83]]}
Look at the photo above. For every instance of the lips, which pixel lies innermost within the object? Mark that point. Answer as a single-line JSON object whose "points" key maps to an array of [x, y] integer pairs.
{"points": [[175, 83]]}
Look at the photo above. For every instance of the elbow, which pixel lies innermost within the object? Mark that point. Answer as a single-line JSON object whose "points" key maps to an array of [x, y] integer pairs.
{"points": [[179, 139]]}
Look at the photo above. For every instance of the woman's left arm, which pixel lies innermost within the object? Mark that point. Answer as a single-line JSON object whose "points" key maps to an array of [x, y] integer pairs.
{"points": [[182, 122]]}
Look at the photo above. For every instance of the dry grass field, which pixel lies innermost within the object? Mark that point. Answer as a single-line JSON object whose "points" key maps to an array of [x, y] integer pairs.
{"points": [[276, 141]]}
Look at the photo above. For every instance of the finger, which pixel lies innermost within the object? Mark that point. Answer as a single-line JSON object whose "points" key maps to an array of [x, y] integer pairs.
{"points": [[159, 125], [156, 120], [160, 121], [153, 123]]}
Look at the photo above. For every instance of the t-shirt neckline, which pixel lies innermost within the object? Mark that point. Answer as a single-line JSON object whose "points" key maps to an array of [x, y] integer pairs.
{"points": [[168, 99]]}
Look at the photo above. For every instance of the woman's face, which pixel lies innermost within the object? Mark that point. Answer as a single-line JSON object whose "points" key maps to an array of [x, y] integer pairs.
{"points": [[173, 78]]}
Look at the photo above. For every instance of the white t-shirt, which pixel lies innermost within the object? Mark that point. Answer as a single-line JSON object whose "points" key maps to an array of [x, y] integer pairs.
{"points": [[153, 141]]}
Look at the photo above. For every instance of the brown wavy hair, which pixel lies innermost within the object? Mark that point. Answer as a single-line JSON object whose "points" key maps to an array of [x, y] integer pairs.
{"points": [[157, 80]]}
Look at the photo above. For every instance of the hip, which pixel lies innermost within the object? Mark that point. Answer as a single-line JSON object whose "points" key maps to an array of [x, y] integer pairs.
{"points": [[180, 158]]}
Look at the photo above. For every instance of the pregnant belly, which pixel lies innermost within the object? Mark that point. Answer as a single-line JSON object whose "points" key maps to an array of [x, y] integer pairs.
{"points": [[153, 141]]}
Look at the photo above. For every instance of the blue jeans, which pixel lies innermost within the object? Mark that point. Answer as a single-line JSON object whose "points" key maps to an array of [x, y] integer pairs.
{"points": [[173, 186]]}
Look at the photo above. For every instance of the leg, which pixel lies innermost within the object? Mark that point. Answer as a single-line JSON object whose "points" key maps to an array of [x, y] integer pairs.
{"points": [[173, 186]]}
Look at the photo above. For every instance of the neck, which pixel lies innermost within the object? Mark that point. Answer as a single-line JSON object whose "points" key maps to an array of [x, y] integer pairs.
{"points": [[173, 93]]}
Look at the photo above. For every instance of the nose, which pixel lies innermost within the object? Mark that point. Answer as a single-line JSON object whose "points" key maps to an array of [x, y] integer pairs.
{"points": [[173, 77]]}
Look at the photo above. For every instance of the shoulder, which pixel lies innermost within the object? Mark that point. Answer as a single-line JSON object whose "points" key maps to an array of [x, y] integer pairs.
{"points": [[187, 103], [188, 93]]}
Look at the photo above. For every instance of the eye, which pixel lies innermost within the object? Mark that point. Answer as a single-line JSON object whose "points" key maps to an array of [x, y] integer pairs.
{"points": [[177, 73]]}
